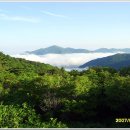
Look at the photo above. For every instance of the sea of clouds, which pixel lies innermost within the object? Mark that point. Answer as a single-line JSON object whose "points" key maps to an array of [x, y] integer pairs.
{"points": [[69, 61]]}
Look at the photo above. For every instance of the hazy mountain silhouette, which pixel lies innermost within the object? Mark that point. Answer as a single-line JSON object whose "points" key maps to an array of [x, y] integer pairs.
{"points": [[57, 50], [60, 50]]}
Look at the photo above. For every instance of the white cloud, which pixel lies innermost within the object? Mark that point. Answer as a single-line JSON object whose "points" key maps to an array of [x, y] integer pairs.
{"points": [[54, 14], [4, 16], [64, 60]]}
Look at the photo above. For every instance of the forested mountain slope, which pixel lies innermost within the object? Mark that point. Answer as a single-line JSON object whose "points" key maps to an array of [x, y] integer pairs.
{"points": [[17, 65], [116, 61]]}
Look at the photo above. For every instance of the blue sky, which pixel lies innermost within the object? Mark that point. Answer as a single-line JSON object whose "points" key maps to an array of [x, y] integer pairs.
{"points": [[90, 25]]}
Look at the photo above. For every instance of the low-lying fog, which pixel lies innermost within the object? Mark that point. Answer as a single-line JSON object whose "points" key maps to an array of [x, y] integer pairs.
{"points": [[68, 61]]}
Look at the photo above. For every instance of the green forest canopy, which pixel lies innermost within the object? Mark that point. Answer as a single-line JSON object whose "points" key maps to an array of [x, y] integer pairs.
{"points": [[36, 95]]}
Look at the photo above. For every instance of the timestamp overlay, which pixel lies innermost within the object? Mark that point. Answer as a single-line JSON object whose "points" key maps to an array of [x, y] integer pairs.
{"points": [[122, 120]]}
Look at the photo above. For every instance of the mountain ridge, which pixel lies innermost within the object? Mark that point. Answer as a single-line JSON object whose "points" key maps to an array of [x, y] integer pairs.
{"points": [[57, 50], [54, 49], [116, 61]]}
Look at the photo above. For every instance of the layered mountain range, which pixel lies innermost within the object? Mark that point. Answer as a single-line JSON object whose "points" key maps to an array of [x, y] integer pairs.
{"points": [[116, 58], [60, 50]]}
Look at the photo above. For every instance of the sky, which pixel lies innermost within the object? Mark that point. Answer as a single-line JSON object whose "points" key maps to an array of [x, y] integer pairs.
{"points": [[89, 25]]}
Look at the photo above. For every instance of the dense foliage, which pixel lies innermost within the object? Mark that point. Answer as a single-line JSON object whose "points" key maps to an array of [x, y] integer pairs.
{"points": [[35, 95]]}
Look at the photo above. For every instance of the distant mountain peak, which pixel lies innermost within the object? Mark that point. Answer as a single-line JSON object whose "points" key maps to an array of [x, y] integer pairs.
{"points": [[54, 46], [54, 49]]}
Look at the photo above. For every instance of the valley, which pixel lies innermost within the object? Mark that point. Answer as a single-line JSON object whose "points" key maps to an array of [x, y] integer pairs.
{"points": [[69, 61]]}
